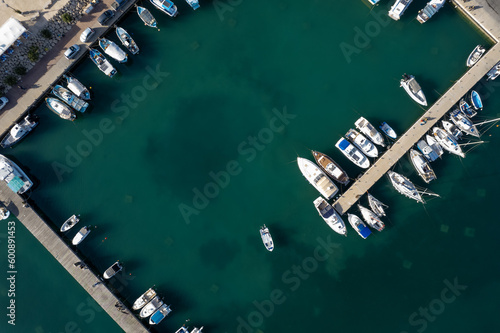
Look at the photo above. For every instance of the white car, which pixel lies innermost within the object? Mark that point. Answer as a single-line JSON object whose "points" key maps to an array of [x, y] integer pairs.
{"points": [[3, 102], [72, 51], [86, 35]]}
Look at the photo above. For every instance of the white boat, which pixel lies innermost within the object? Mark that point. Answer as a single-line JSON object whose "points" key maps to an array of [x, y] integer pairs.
{"points": [[114, 51], [102, 63], [317, 178], [69, 98], [70, 223], [267, 239], [376, 205], [447, 141], [111, 271], [4, 213], [404, 186], [331, 217], [371, 218], [352, 153], [160, 314], [387, 130], [77, 88], [332, 168], [493, 72], [183, 329], [412, 88], [475, 100], [466, 108], [19, 131], [144, 299], [165, 6], [398, 8], [422, 166], [434, 145], [358, 225], [151, 307], [429, 10], [373, 2], [127, 40], [367, 129], [361, 142], [193, 3], [464, 123], [59, 108], [427, 150], [452, 129], [146, 17], [197, 330], [80, 236], [475, 55], [14, 176]]}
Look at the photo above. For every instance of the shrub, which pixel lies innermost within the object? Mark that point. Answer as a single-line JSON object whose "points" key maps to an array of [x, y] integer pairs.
{"points": [[46, 33], [33, 54], [66, 18], [10, 80], [2, 90], [20, 70]]}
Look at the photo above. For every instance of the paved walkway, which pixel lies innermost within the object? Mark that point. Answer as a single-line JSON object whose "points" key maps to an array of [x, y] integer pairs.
{"points": [[486, 15]]}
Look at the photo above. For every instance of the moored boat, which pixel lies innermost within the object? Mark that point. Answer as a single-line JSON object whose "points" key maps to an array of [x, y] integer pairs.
{"points": [[127, 40], [387, 130], [330, 167], [452, 129], [160, 314], [376, 205], [114, 51], [144, 299], [371, 218], [193, 3], [413, 89], [427, 150], [429, 10], [146, 17], [19, 131], [466, 109], [111, 271], [494, 72], [359, 226], [4, 213], [81, 235], [369, 130], [330, 216], [15, 178], [102, 63], [151, 307], [475, 100], [165, 6], [362, 143], [422, 166], [475, 55], [197, 330], [70, 223], [317, 178], [59, 108], [373, 2], [404, 186], [267, 239], [183, 329], [464, 123], [398, 8], [69, 98], [434, 145], [77, 88], [447, 141], [352, 153]]}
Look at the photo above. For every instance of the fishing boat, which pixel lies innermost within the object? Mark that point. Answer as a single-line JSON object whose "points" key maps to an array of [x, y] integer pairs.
{"points": [[361, 142], [160, 314], [331, 217], [422, 166], [127, 40], [102, 63], [70, 223], [371, 218], [376, 205], [352, 153], [359, 226], [412, 88], [447, 141], [4, 213], [333, 169], [114, 51], [165, 6], [69, 98], [398, 8], [146, 17], [404, 186], [77, 88], [464, 123], [427, 151], [367, 129], [452, 129], [19, 131], [194, 4], [80, 236], [475, 100], [434, 145], [475, 55], [465, 108], [15, 178], [111, 271], [493, 72], [144, 299], [267, 239], [59, 108], [429, 10], [151, 307], [387, 130], [317, 178]]}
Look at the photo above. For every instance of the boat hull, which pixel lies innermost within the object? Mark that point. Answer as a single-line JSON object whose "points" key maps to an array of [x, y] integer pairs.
{"points": [[358, 225], [18, 132], [317, 178], [331, 168], [330, 216], [15, 178], [353, 153]]}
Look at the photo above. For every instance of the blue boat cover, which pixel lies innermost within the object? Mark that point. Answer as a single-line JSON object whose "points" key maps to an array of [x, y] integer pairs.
{"points": [[16, 184], [328, 213], [476, 100], [156, 317], [344, 144], [364, 231]]}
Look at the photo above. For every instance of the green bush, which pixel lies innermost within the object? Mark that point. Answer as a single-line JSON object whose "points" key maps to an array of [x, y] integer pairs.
{"points": [[46, 33], [66, 18], [33, 54], [2, 90], [10, 80], [20, 70]]}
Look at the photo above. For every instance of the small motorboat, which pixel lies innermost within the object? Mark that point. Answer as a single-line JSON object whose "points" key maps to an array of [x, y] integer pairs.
{"points": [[127, 40], [427, 150], [160, 314], [59, 108], [114, 51], [146, 17], [362, 143], [151, 307], [69, 98], [371, 218], [352, 153], [102, 63], [330, 216], [266, 238], [77, 88], [452, 129], [387, 130], [144, 299], [80, 236], [359, 226], [475, 100], [70, 223], [493, 73], [19, 131], [194, 4], [111, 271], [465, 108], [411, 86], [475, 55], [376, 205], [4, 213], [165, 6], [436, 147], [365, 127]]}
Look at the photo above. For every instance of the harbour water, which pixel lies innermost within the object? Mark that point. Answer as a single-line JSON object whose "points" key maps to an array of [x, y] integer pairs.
{"points": [[192, 147]]}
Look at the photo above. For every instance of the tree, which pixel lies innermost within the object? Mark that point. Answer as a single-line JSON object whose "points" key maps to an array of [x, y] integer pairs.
{"points": [[66, 18], [46, 33], [10, 80], [33, 54], [20, 70]]}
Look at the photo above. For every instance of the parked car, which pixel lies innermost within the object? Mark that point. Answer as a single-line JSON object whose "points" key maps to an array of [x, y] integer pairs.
{"points": [[3, 102], [86, 35], [72, 51], [105, 17]]}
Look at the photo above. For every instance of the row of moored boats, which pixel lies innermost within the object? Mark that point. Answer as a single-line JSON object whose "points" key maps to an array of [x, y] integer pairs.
{"points": [[400, 6]]}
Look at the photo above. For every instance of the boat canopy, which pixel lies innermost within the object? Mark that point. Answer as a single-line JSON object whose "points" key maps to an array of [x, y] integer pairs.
{"points": [[16, 184], [364, 231], [344, 144]]}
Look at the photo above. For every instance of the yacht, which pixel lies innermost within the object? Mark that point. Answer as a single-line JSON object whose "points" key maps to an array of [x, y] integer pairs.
{"points": [[165, 6], [14, 176], [317, 178], [77, 88], [475, 100], [387, 130], [194, 4], [493, 72], [69, 98], [267, 239], [151, 307], [447, 141], [429, 10], [404, 186], [376, 205], [70, 223], [371, 218], [146, 17], [434, 145], [114, 51], [160, 314], [452, 129], [352, 153], [333, 169], [475, 55], [466, 109], [367, 129], [361, 142], [359, 226], [427, 150], [398, 8], [412, 88], [144, 299], [19, 131], [111, 271], [102, 63], [331, 217], [422, 166], [59, 108], [80, 236], [464, 123], [127, 40]]}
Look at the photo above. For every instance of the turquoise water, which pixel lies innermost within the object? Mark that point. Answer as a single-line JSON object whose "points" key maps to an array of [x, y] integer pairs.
{"points": [[238, 92]]}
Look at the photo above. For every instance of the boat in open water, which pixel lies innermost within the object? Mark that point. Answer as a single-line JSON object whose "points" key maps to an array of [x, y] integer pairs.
{"points": [[151, 307], [165, 6], [69, 98], [146, 17], [267, 239], [465, 108], [102, 63], [429, 10], [317, 178], [19, 131], [475, 100], [330, 167], [15, 178], [77, 88], [81, 235], [330, 216], [59, 108], [434, 145], [412, 88], [427, 151], [398, 8], [404, 186], [447, 141], [464, 123], [475, 55], [372, 219], [144, 299], [194, 4], [127, 40], [369, 130], [352, 153], [114, 51], [362, 143], [358, 225], [112, 270], [422, 166], [452, 129], [373, 2], [387, 130], [376, 205], [160, 314], [70, 223]]}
